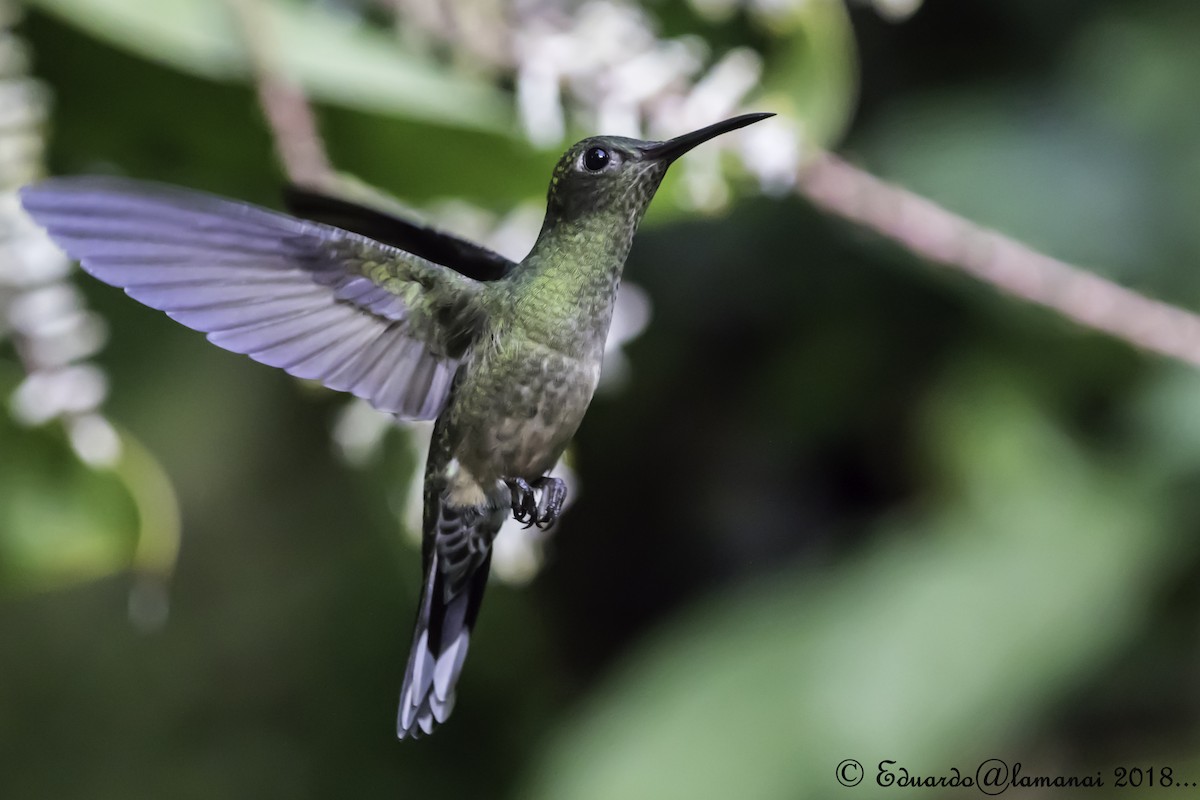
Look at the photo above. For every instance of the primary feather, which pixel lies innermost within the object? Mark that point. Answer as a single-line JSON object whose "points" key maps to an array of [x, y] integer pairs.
{"points": [[317, 301]]}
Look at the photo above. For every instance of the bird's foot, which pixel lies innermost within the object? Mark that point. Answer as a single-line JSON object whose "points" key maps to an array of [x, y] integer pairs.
{"points": [[554, 494], [525, 505], [524, 501]]}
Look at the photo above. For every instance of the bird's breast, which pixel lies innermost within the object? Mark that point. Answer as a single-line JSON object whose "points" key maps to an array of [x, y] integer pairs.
{"points": [[520, 405]]}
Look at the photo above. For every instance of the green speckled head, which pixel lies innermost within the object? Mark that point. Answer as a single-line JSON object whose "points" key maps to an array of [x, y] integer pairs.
{"points": [[564, 289], [613, 175], [603, 174]]}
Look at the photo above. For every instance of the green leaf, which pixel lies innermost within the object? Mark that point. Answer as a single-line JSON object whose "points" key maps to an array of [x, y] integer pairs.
{"points": [[63, 522], [60, 521], [336, 59], [814, 74]]}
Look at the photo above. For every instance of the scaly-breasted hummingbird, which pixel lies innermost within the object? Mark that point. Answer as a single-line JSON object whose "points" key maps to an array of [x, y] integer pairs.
{"points": [[419, 323]]}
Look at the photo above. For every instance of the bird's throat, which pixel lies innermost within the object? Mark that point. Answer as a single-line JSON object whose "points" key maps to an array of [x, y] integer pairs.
{"points": [[564, 290]]}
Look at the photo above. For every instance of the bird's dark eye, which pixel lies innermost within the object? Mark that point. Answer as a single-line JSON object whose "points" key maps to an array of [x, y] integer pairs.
{"points": [[596, 159]]}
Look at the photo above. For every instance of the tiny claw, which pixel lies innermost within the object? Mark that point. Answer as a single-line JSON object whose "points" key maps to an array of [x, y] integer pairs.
{"points": [[528, 509], [524, 504], [554, 493]]}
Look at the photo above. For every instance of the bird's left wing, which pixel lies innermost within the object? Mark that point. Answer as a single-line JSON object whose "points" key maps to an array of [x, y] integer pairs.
{"points": [[462, 256], [317, 301]]}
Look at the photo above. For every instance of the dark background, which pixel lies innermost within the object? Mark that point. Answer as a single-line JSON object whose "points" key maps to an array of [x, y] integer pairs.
{"points": [[847, 505]]}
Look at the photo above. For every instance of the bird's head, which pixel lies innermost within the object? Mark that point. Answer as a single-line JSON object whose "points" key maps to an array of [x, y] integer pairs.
{"points": [[607, 175]]}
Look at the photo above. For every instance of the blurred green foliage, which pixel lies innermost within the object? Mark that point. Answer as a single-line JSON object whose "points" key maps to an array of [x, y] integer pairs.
{"points": [[848, 506], [333, 59], [61, 521]]}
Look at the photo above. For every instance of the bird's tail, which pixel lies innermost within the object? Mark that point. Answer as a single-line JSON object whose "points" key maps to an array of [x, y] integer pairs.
{"points": [[456, 570]]}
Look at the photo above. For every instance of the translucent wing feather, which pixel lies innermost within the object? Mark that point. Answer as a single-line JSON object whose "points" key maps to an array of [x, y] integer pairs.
{"points": [[317, 301]]}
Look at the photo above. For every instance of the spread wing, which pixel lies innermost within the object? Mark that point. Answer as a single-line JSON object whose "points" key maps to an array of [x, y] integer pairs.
{"points": [[462, 256], [319, 302]]}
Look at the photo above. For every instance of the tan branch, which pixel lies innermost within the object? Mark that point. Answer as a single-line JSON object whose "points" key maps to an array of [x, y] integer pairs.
{"points": [[930, 231], [284, 105]]}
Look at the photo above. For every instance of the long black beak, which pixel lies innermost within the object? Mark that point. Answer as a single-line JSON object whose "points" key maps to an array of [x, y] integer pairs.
{"points": [[673, 148]]}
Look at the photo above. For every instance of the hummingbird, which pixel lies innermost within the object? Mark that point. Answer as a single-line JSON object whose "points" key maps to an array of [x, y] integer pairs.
{"points": [[421, 324]]}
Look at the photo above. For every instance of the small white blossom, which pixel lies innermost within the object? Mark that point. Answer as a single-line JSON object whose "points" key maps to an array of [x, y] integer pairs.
{"points": [[772, 152], [358, 432], [631, 315], [897, 10], [95, 440], [48, 394]]}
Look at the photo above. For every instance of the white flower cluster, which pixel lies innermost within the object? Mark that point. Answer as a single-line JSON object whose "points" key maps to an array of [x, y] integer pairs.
{"points": [[602, 64], [606, 64], [40, 310]]}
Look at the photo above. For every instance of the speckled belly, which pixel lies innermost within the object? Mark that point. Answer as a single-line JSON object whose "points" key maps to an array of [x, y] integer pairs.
{"points": [[534, 404]]}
